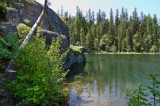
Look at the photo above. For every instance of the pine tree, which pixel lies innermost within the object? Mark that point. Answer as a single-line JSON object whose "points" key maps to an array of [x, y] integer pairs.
{"points": [[155, 34], [136, 43], [141, 38], [117, 21], [99, 17], [121, 34], [129, 42], [61, 10], [93, 35], [111, 28], [82, 37], [122, 16], [93, 17], [99, 34], [134, 34], [89, 41], [135, 21], [126, 15]]}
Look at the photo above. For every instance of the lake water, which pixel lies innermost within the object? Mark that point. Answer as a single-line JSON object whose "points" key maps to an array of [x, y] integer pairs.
{"points": [[104, 79]]}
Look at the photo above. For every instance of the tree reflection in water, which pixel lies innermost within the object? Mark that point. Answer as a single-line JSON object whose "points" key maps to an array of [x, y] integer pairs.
{"points": [[105, 78]]}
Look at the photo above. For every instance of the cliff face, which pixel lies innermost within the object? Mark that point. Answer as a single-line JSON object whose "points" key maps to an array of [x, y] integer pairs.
{"points": [[30, 10], [53, 27]]}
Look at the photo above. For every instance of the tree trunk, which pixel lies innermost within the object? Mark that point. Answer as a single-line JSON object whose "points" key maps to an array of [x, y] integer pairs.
{"points": [[32, 30], [44, 16]]}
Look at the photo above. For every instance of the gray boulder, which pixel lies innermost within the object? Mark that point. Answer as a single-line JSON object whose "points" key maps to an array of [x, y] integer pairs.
{"points": [[49, 35], [31, 11]]}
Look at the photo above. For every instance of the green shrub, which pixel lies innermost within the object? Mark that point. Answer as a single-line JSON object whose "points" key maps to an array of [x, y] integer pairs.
{"points": [[39, 73], [153, 48], [23, 30], [6, 52], [38, 28], [3, 11], [27, 22], [140, 96], [1, 91]]}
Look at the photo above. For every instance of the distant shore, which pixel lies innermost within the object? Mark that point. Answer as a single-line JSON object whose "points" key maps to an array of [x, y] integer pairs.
{"points": [[103, 52]]}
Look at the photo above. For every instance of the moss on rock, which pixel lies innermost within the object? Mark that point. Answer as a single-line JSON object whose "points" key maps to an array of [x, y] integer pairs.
{"points": [[23, 30]]}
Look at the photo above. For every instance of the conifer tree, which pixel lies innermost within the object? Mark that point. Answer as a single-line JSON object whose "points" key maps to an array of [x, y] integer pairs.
{"points": [[111, 32]]}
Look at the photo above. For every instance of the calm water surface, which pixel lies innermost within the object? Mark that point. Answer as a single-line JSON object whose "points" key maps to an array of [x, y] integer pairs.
{"points": [[104, 79]]}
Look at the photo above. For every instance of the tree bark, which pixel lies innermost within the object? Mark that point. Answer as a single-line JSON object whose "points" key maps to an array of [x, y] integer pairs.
{"points": [[44, 16]]}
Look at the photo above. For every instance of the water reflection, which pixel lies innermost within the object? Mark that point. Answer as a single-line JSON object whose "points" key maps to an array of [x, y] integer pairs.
{"points": [[105, 78], [76, 69]]}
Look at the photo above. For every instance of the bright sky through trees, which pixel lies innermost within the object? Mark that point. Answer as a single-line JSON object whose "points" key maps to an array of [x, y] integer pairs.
{"points": [[147, 6]]}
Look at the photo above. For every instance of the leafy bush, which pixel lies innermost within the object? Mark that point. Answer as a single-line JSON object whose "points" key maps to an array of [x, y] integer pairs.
{"points": [[23, 30], [39, 73], [8, 49], [139, 96], [153, 48], [3, 11], [1, 91]]}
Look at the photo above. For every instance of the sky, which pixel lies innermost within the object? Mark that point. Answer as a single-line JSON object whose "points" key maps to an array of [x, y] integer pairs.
{"points": [[147, 6]]}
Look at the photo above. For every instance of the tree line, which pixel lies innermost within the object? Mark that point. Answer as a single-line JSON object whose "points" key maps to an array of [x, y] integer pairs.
{"points": [[119, 33]]}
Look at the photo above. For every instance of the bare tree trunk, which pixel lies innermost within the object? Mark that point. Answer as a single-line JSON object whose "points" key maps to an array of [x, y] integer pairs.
{"points": [[32, 30], [44, 16], [11, 64]]}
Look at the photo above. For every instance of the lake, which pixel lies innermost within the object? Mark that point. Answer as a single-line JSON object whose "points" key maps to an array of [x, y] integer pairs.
{"points": [[104, 79]]}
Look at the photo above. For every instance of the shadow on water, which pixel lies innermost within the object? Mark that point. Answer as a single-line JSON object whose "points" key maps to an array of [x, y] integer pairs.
{"points": [[76, 69]]}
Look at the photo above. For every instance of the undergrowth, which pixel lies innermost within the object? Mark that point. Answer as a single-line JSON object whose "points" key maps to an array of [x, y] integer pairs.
{"points": [[40, 74]]}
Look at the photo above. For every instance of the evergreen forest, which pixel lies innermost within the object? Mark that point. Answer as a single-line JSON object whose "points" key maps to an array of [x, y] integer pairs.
{"points": [[119, 33]]}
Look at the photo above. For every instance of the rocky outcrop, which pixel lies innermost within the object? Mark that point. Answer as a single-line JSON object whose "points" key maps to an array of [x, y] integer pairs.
{"points": [[53, 27], [30, 10], [49, 35], [75, 56]]}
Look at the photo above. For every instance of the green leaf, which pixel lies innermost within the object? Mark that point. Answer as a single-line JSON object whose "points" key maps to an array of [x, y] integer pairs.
{"points": [[157, 75], [157, 82], [1, 91], [149, 87], [143, 99], [157, 101]]}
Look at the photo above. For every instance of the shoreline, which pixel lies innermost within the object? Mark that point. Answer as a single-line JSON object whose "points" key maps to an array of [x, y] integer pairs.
{"points": [[124, 53]]}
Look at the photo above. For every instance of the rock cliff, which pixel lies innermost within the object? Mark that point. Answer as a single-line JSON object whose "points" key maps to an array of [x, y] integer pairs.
{"points": [[53, 26], [30, 10]]}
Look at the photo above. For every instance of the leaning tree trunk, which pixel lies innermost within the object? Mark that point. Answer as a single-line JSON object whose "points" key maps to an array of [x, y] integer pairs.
{"points": [[11, 64], [44, 16]]}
